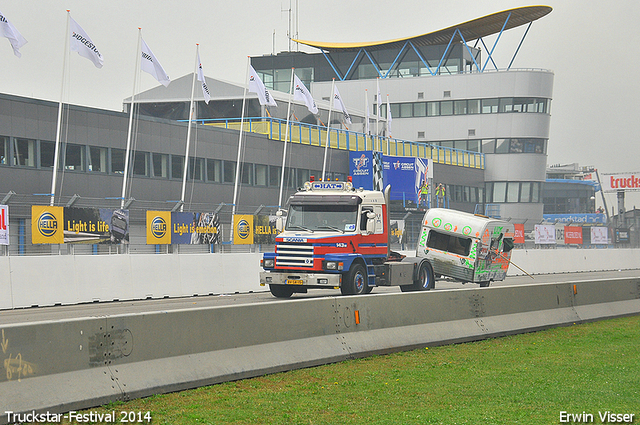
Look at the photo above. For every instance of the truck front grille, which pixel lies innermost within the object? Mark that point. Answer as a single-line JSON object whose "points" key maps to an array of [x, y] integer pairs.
{"points": [[294, 255]]}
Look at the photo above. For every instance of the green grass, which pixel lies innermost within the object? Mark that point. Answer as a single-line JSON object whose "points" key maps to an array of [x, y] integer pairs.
{"points": [[524, 379]]}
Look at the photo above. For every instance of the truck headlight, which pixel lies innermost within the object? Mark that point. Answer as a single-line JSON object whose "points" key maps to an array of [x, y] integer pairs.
{"points": [[268, 263], [333, 265]]}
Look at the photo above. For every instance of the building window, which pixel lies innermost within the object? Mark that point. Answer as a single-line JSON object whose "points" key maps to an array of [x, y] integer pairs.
{"points": [[406, 110], [433, 109], [177, 166], [460, 107], [490, 106], [196, 169], [506, 104], [303, 176], [160, 164], [446, 107], [97, 159], [117, 161], [274, 175], [513, 189], [262, 175], [247, 173], [420, 134], [74, 157], [525, 192], [140, 164], [24, 152], [502, 145], [499, 192], [47, 152], [229, 172], [473, 106], [4, 149], [214, 170], [420, 109]]}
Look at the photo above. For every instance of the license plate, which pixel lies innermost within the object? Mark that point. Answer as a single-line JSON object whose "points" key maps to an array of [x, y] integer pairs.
{"points": [[294, 282]]}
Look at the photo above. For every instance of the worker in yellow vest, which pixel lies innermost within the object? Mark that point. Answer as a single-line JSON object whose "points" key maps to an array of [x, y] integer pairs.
{"points": [[440, 193]]}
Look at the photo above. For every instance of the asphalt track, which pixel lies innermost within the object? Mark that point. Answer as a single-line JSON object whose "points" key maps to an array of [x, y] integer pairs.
{"points": [[103, 309]]}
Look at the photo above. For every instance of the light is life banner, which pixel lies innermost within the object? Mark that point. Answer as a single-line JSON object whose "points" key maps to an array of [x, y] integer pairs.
{"points": [[4, 225]]}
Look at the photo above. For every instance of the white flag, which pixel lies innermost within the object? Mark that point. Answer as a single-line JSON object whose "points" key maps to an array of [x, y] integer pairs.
{"points": [[205, 89], [300, 92], [389, 117], [151, 65], [9, 31], [337, 103], [257, 86], [81, 43]]}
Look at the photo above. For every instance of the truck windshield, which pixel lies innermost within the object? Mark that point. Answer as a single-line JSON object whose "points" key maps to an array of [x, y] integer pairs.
{"points": [[340, 218]]}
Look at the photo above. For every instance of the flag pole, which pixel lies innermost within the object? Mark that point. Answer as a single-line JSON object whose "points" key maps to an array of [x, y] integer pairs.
{"points": [[235, 188], [366, 118], [56, 154], [126, 157], [191, 111], [326, 145], [286, 137], [379, 102]]}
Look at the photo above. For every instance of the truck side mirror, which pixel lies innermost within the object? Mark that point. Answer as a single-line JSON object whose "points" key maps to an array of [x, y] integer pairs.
{"points": [[507, 244], [279, 221], [371, 222]]}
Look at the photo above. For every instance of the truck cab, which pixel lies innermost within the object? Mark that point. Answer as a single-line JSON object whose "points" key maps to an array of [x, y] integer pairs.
{"points": [[333, 237]]}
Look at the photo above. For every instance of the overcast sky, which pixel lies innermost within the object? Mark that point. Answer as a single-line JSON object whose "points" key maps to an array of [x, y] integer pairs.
{"points": [[592, 47]]}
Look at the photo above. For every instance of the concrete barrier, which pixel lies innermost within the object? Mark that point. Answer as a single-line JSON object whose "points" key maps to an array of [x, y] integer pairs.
{"points": [[73, 364], [72, 279]]}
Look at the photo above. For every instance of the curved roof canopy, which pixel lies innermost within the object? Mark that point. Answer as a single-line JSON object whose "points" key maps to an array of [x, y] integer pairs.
{"points": [[471, 30]]}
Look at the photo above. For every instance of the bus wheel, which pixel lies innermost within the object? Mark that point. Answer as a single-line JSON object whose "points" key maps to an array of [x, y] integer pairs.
{"points": [[280, 291], [426, 281], [355, 282]]}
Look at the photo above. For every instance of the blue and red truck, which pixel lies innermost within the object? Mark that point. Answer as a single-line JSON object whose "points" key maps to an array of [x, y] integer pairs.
{"points": [[337, 236]]}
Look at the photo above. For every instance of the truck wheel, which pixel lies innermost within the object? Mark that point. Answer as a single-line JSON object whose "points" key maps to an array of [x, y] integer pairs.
{"points": [[485, 284], [426, 280], [355, 282], [280, 291]]}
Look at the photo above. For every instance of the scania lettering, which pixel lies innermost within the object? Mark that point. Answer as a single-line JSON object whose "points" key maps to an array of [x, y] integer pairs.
{"points": [[336, 236]]}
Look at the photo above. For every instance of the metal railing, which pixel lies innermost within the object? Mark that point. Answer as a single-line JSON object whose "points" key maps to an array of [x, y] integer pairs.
{"points": [[316, 135]]}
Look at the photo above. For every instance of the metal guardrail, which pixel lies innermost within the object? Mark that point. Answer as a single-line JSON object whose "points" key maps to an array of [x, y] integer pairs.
{"points": [[315, 135]]}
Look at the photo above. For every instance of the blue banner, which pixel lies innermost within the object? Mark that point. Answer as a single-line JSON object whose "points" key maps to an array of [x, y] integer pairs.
{"points": [[576, 218]]}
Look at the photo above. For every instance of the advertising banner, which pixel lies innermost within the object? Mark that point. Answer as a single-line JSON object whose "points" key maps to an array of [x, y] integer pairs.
{"points": [[47, 224], [4, 225], [264, 229], [545, 234], [195, 228], [599, 235], [559, 234], [95, 225], [242, 229], [361, 169], [158, 227], [519, 232], [577, 218], [405, 175], [573, 235], [620, 181], [396, 231]]}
